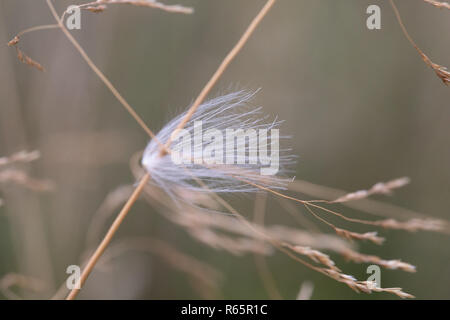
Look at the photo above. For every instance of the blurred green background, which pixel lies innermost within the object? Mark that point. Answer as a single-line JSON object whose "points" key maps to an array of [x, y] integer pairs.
{"points": [[361, 106]]}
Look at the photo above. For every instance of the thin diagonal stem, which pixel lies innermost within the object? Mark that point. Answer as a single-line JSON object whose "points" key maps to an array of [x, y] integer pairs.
{"points": [[37, 28]]}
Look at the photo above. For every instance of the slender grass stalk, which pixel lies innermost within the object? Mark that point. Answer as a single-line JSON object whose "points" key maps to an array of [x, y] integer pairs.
{"points": [[438, 4], [440, 71], [37, 28]]}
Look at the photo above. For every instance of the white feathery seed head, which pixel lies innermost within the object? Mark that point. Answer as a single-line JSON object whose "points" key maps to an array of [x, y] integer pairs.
{"points": [[225, 144]]}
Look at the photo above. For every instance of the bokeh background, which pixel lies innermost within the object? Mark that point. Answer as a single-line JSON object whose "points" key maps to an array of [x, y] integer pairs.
{"points": [[361, 106]]}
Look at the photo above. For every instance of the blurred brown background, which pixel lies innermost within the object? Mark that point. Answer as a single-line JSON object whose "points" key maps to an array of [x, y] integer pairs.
{"points": [[361, 106]]}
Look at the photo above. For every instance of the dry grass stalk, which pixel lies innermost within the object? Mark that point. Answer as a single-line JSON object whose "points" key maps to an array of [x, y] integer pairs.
{"points": [[22, 56], [14, 41], [370, 286], [359, 286], [371, 206], [364, 286], [440, 71], [388, 264], [101, 5], [308, 204], [314, 255], [384, 188], [150, 4], [370, 236], [439, 4], [415, 225], [357, 257], [285, 233], [27, 60], [349, 280], [96, 9], [412, 221]]}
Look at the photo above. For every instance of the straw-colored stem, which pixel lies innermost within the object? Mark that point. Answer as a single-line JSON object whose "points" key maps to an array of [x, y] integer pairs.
{"points": [[37, 28]]}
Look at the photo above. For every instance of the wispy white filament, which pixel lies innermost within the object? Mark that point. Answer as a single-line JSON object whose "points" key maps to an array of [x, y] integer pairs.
{"points": [[222, 114]]}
